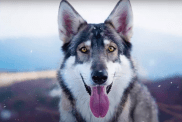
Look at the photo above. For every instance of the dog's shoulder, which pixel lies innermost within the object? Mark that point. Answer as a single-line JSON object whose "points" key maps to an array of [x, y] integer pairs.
{"points": [[143, 106], [141, 92]]}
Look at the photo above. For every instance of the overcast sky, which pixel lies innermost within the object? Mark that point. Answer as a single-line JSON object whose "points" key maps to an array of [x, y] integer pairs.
{"points": [[39, 19]]}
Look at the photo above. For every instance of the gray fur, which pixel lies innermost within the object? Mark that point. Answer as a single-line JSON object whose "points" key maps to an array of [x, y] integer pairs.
{"points": [[143, 105]]}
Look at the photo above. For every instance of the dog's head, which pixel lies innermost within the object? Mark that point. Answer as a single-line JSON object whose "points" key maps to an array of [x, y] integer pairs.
{"points": [[96, 56]]}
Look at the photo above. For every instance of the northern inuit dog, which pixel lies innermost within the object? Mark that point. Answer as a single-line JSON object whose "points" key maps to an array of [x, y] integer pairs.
{"points": [[97, 76]]}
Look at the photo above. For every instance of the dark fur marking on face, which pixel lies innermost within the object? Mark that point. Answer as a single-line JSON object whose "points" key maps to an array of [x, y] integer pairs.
{"points": [[82, 36], [65, 89], [127, 48], [70, 97]]}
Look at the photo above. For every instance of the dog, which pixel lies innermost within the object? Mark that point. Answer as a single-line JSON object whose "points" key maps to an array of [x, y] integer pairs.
{"points": [[97, 76]]}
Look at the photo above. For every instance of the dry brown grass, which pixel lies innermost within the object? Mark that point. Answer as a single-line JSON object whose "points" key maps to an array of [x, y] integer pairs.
{"points": [[11, 78]]}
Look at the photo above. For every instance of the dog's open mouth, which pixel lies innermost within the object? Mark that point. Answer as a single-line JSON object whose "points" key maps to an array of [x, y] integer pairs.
{"points": [[88, 88], [99, 101]]}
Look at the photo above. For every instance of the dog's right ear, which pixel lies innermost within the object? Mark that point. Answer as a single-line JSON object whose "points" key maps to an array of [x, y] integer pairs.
{"points": [[69, 21]]}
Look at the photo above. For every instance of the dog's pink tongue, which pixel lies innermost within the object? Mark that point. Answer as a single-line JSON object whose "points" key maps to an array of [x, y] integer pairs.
{"points": [[99, 102]]}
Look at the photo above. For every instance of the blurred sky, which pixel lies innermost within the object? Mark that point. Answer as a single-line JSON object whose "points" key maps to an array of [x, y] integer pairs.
{"points": [[39, 18], [29, 32]]}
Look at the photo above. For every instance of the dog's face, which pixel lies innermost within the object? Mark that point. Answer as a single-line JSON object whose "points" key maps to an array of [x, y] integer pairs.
{"points": [[96, 55]]}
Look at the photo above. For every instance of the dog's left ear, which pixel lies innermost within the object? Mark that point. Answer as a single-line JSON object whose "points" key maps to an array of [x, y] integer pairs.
{"points": [[121, 18], [69, 21]]}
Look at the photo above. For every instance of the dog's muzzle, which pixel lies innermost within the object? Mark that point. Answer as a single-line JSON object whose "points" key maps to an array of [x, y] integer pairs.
{"points": [[88, 88]]}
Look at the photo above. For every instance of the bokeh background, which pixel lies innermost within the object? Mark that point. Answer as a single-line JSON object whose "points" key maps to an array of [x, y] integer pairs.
{"points": [[30, 54]]}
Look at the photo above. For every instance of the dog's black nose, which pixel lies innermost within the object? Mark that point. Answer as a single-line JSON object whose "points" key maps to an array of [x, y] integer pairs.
{"points": [[99, 77]]}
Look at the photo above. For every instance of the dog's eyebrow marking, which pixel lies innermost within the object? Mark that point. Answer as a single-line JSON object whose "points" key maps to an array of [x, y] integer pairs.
{"points": [[88, 43], [106, 42]]}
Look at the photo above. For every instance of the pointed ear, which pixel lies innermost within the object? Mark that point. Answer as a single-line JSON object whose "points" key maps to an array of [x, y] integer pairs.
{"points": [[121, 18], [69, 21]]}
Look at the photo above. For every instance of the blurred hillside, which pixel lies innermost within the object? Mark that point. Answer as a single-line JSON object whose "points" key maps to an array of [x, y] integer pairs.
{"points": [[156, 54], [168, 94], [31, 101]]}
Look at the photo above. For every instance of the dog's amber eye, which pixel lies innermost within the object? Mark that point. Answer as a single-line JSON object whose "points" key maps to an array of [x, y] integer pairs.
{"points": [[83, 49], [111, 48]]}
